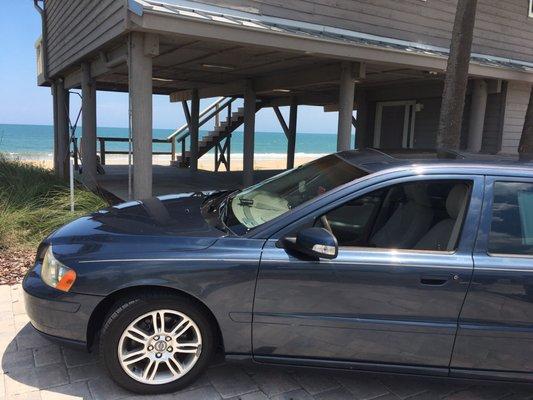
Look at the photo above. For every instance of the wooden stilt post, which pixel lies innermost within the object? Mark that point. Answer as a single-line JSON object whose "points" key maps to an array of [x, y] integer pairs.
{"points": [[140, 88], [56, 134], [477, 115], [63, 145], [249, 134], [194, 128], [291, 140], [346, 100], [362, 119], [88, 148]]}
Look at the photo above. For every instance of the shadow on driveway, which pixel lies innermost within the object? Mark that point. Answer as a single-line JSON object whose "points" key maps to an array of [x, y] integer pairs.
{"points": [[34, 367]]}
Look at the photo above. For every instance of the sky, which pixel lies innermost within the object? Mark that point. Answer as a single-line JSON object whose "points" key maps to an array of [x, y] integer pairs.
{"points": [[23, 102]]}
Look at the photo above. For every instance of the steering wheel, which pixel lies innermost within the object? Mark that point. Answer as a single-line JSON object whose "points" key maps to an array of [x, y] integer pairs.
{"points": [[325, 223]]}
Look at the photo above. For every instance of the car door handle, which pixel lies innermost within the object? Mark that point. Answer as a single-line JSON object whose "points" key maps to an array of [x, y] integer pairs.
{"points": [[434, 280]]}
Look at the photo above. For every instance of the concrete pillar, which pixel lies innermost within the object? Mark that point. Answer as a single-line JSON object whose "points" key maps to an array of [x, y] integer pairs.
{"points": [[88, 146], [194, 128], [140, 88], [346, 100], [249, 134], [361, 132], [291, 140], [63, 145], [477, 115]]}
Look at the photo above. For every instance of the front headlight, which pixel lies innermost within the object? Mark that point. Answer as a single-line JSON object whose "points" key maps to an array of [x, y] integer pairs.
{"points": [[55, 274]]}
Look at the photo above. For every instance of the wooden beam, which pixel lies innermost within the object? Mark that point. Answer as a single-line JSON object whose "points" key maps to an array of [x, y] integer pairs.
{"points": [[63, 145], [249, 134], [140, 89], [346, 106], [235, 88], [88, 146], [104, 63], [296, 79], [291, 143], [281, 121], [194, 129], [361, 131]]}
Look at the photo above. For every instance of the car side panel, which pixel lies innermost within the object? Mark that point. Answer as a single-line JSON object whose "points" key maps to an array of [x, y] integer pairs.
{"points": [[221, 276]]}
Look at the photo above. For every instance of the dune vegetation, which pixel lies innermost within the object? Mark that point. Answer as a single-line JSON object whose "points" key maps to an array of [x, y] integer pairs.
{"points": [[33, 203]]}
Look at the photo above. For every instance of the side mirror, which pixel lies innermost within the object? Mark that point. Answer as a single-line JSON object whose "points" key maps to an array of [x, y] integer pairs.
{"points": [[314, 242]]}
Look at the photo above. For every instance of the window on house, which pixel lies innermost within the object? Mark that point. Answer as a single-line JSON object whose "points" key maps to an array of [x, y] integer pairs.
{"points": [[512, 219], [531, 8]]}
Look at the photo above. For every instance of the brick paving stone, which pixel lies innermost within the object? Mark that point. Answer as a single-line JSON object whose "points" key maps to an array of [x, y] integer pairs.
{"points": [[252, 396], [35, 395], [363, 387], [274, 381], [203, 393], [315, 381], [335, 394], [70, 391], [105, 389], [295, 395], [17, 359], [8, 343], [405, 386], [75, 358], [231, 381], [29, 338], [47, 355], [24, 380], [86, 372]]}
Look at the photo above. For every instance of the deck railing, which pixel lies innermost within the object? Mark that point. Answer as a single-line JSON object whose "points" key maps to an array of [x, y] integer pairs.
{"points": [[102, 140], [178, 136]]}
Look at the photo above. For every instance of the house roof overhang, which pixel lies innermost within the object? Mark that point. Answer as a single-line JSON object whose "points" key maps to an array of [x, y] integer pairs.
{"points": [[217, 23]]}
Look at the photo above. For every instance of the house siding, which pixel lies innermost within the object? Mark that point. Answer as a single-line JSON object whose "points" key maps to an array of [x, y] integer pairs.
{"points": [[515, 112], [77, 28], [502, 28]]}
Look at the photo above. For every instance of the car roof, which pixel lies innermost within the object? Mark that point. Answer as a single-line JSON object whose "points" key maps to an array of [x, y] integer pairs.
{"points": [[373, 160]]}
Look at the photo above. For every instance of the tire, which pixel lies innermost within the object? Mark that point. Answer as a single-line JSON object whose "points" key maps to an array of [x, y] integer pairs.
{"points": [[128, 335]]}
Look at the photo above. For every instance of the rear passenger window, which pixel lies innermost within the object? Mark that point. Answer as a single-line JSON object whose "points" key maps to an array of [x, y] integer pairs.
{"points": [[512, 219]]}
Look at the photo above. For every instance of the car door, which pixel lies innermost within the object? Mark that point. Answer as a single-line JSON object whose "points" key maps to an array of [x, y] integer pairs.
{"points": [[374, 305], [496, 324]]}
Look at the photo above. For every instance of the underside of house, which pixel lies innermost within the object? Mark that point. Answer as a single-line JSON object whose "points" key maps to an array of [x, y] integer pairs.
{"points": [[379, 65]]}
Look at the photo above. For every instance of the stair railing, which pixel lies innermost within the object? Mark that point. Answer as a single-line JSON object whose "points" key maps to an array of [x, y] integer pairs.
{"points": [[182, 133]]}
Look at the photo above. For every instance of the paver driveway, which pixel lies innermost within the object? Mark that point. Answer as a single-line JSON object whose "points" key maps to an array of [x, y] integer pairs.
{"points": [[34, 368]]}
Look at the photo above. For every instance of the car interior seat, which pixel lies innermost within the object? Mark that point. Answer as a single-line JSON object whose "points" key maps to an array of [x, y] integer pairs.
{"points": [[443, 236], [409, 221]]}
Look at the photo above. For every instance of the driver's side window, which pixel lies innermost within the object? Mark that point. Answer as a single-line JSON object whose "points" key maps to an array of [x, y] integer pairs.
{"points": [[421, 215]]}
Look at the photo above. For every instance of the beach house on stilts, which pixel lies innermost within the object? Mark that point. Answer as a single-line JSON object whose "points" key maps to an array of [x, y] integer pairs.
{"points": [[383, 58]]}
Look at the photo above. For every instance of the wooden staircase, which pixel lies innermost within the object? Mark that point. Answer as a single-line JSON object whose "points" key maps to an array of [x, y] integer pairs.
{"points": [[214, 137]]}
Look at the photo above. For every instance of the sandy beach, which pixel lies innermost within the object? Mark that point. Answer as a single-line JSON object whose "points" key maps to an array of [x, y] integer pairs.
{"points": [[261, 161]]}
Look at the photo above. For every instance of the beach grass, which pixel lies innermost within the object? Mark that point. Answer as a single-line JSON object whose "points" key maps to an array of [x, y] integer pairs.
{"points": [[34, 202]]}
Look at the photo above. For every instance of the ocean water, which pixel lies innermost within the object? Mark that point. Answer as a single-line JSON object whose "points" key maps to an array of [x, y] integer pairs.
{"points": [[36, 141]]}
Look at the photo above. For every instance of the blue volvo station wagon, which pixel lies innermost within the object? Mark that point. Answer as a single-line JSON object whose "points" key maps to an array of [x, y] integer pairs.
{"points": [[401, 262]]}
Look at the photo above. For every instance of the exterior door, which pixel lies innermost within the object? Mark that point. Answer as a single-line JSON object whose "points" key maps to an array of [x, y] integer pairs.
{"points": [[395, 124], [496, 324], [370, 304]]}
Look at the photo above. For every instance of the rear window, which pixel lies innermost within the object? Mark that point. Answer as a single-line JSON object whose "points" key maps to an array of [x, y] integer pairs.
{"points": [[512, 219]]}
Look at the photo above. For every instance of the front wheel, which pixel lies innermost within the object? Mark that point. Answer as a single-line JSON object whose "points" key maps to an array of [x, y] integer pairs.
{"points": [[156, 343]]}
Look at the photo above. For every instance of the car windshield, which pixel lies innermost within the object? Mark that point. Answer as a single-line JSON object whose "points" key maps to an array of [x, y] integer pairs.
{"points": [[270, 198]]}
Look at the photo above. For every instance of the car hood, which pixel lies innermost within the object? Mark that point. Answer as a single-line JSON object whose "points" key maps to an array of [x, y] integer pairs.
{"points": [[173, 222]]}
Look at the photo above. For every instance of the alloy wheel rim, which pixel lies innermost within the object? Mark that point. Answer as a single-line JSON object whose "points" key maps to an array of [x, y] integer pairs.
{"points": [[159, 347]]}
